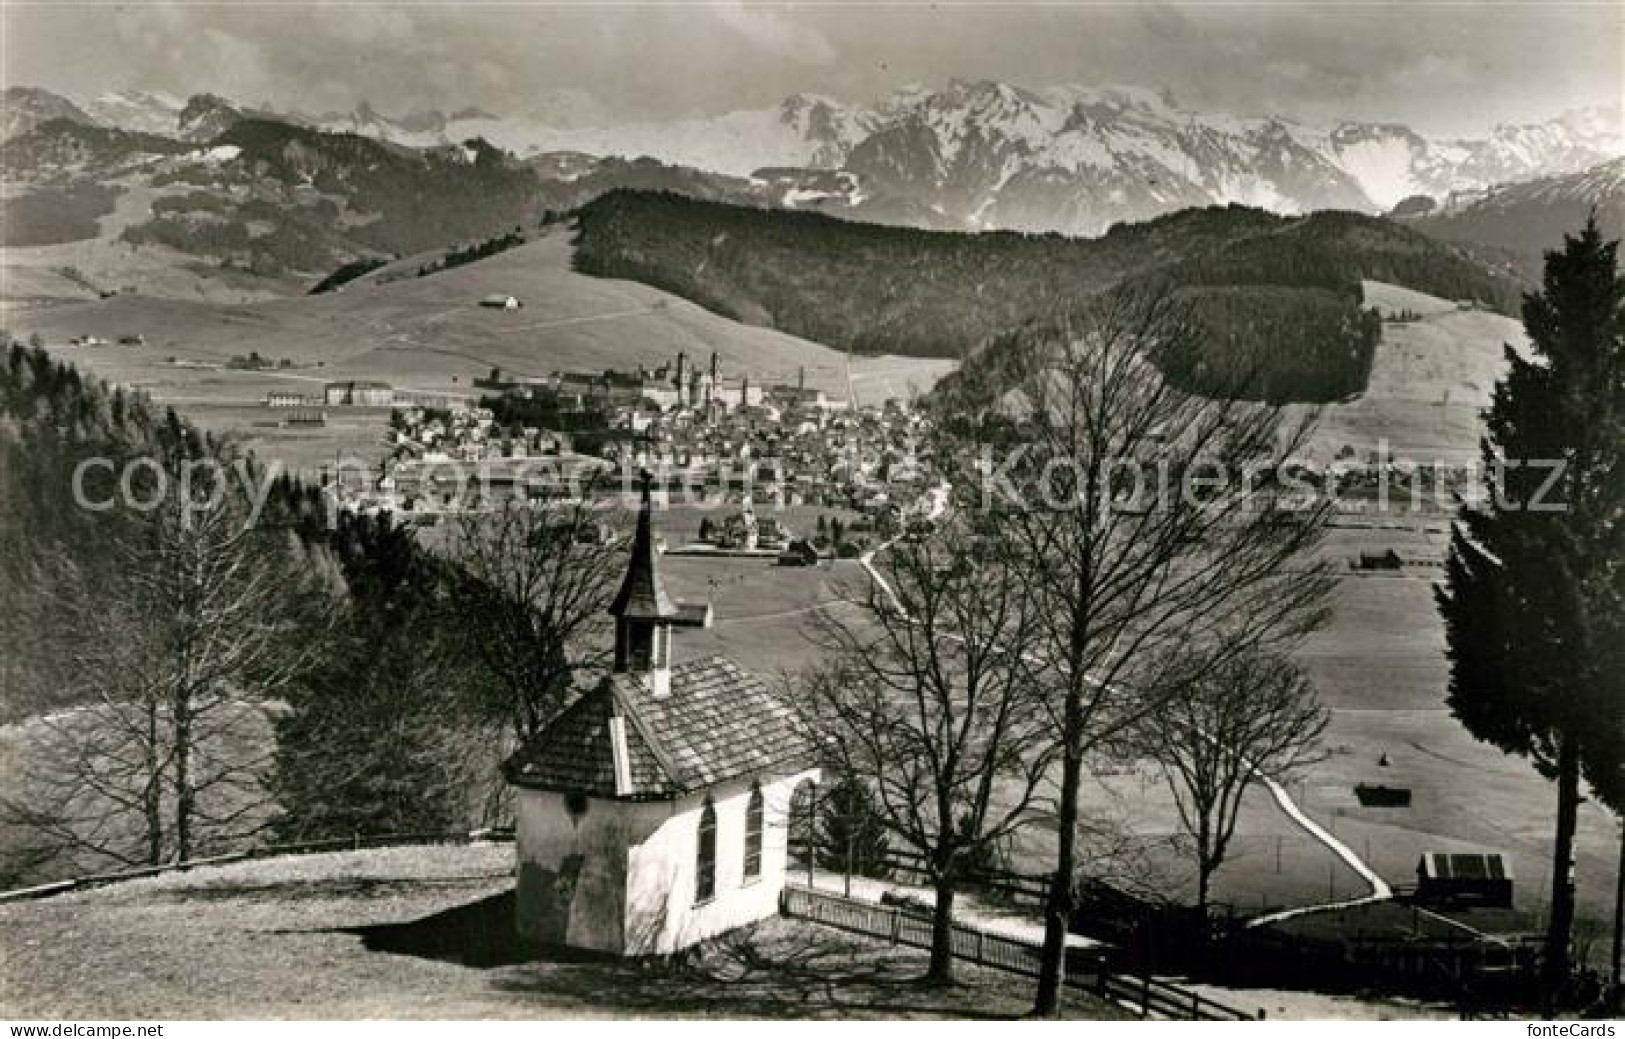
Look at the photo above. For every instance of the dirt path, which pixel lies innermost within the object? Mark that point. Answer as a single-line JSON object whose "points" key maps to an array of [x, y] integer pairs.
{"points": [[1380, 891]]}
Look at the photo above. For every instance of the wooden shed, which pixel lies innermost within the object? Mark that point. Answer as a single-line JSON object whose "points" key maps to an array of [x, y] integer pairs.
{"points": [[1470, 878]]}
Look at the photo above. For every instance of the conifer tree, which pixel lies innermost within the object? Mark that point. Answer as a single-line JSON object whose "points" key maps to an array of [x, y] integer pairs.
{"points": [[1536, 574]]}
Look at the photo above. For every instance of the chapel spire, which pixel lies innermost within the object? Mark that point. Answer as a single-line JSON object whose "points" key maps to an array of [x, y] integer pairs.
{"points": [[642, 610]]}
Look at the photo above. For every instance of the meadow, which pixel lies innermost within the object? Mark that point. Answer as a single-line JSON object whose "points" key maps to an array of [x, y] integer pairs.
{"points": [[1379, 665], [426, 933], [429, 334]]}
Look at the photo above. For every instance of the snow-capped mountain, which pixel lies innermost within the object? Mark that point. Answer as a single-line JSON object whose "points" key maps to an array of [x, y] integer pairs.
{"points": [[427, 129], [1080, 159], [1523, 219], [1393, 162], [804, 130], [23, 108], [138, 111], [978, 154], [1073, 158]]}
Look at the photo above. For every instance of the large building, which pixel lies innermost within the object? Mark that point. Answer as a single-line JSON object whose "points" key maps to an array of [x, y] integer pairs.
{"points": [[361, 393], [653, 812]]}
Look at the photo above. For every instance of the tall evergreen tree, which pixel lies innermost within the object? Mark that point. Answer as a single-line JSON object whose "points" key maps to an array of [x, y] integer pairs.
{"points": [[1536, 574]]}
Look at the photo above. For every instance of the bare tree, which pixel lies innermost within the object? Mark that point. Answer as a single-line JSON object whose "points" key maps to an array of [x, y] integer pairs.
{"points": [[1142, 519], [87, 782], [534, 586], [176, 654], [1219, 732], [235, 624], [928, 700]]}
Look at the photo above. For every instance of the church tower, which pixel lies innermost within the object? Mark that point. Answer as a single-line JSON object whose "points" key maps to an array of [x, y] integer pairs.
{"points": [[643, 612]]}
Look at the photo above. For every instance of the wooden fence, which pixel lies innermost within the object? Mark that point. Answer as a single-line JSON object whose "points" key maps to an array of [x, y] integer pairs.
{"points": [[1146, 995], [910, 867]]}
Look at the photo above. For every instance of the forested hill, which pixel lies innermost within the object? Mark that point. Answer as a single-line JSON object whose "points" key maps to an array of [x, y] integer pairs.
{"points": [[350, 718], [1278, 295]]}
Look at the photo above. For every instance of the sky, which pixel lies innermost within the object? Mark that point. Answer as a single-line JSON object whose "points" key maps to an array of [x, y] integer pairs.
{"points": [[1442, 68]]}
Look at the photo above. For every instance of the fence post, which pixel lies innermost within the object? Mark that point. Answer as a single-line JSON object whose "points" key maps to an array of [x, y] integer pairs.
{"points": [[1196, 1007], [979, 958], [1145, 995], [896, 926]]}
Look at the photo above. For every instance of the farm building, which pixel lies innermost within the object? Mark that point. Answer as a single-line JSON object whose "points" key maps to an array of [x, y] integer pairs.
{"points": [[501, 301], [799, 553], [361, 394], [1478, 878], [285, 399], [653, 811]]}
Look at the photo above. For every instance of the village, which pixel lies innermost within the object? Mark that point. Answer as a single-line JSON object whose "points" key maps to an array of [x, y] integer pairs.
{"points": [[738, 452], [592, 512]]}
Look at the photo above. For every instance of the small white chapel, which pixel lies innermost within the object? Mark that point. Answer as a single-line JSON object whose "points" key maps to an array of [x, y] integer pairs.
{"points": [[653, 811]]}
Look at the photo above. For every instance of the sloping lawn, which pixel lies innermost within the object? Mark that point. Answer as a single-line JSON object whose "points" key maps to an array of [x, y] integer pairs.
{"points": [[425, 933]]}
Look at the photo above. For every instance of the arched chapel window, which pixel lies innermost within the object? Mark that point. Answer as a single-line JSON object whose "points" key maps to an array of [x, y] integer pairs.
{"points": [[753, 834], [705, 865]]}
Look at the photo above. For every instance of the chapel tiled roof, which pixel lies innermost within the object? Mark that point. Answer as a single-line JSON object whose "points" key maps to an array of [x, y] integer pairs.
{"points": [[718, 722]]}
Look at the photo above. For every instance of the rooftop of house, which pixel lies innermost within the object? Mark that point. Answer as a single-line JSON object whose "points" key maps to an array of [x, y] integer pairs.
{"points": [[718, 722]]}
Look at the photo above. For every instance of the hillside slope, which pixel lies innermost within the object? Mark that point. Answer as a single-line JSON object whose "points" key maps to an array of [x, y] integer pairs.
{"points": [[269, 206], [1275, 293], [426, 932], [1431, 378], [429, 333]]}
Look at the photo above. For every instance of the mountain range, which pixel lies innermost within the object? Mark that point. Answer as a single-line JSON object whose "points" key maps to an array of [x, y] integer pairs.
{"points": [[209, 195], [972, 155], [1515, 222], [1078, 159]]}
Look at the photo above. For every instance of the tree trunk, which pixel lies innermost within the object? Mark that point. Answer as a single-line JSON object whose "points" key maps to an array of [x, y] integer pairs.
{"points": [[1619, 917], [1204, 892], [1058, 906], [183, 777], [941, 971], [152, 793], [1560, 928], [1204, 888]]}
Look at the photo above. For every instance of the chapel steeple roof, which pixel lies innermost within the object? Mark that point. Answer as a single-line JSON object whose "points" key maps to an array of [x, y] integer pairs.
{"points": [[642, 596]]}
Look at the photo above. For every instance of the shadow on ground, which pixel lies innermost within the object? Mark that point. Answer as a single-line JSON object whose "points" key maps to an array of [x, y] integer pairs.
{"points": [[479, 934], [315, 889], [779, 968]]}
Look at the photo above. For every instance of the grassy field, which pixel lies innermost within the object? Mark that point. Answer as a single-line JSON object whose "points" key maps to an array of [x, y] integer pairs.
{"points": [[1429, 380], [1381, 668], [764, 616], [763, 611], [429, 334], [427, 933]]}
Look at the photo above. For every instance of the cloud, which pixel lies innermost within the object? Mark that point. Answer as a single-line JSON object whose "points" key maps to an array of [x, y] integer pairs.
{"points": [[1441, 71], [775, 32]]}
